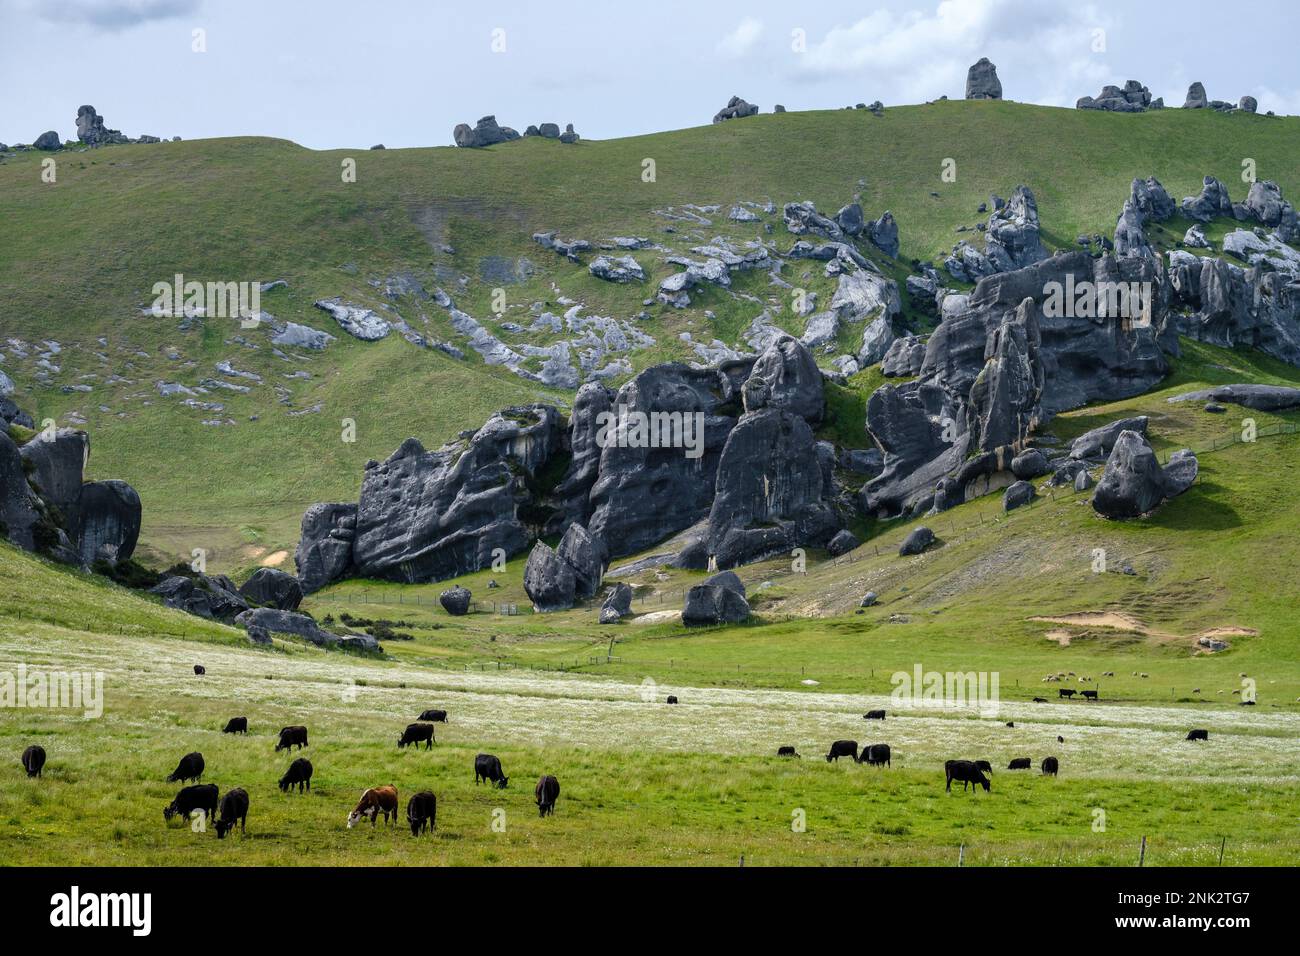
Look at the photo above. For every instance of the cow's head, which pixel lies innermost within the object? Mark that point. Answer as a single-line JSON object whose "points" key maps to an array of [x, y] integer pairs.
{"points": [[284, 784], [402, 741], [223, 828], [984, 782], [354, 818], [169, 811], [501, 784]]}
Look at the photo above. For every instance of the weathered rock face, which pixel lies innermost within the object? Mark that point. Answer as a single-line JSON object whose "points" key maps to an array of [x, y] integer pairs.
{"points": [[1012, 238], [1096, 444], [1134, 484], [91, 129], [1030, 464], [214, 597], [884, 234], [1153, 202], [549, 581], [618, 604], [982, 81], [843, 542], [571, 503], [643, 494], [1017, 495], [271, 587], [586, 556], [324, 551], [904, 357], [1006, 394], [735, 109], [1263, 398], [425, 516], [802, 218], [719, 600], [1130, 236], [771, 494], [1196, 98], [1213, 201], [1248, 104], [915, 426], [19, 506], [485, 132], [1233, 307], [57, 464], [793, 380], [108, 521], [455, 601]]}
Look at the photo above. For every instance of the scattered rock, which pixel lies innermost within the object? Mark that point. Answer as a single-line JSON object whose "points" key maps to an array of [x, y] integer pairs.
{"points": [[455, 601], [843, 542], [271, 587], [719, 600], [1018, 494], [735, 109], [917, 541]]}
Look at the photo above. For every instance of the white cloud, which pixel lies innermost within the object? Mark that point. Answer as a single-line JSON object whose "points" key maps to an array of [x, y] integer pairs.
{"points": [[742, 39], [113, 15]]}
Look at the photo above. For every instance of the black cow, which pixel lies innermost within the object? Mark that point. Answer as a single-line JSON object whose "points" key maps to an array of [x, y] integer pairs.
{"points": [[299, 774], [434, 716], [34, 760], [672, 699], [875, 755], [1198, 735], [1050, 766], [1020, 763], [190, 768], [786, 752], [1060, 739], [234, 808], [200, 670], [547, 792], [1066, 692], [1089, 695], [487, 767], [985, 766], [1040, 700], [414, 734], [1011, 723], [422, 812], [236, 725], [843, 748], [291, 737], [966, 772], [201, 796], [874, 715]]}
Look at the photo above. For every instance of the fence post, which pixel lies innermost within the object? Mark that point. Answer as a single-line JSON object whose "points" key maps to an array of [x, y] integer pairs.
{"points": [[1221, 846], [1142, 852], [961, 854]]}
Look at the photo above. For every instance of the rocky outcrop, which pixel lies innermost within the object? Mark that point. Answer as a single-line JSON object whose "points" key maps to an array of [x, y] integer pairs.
{"points": [[1012, 238], [904, 357], [20, 508], [264, 620], [621, 269], [108, 521], [324, 552], [735, 109], [982, 81], [214, 597], [1262, 398], [917, 541], [792, 379], [883, 233], [1096, 444], [92, 131], [1196, 98], [1134, 484], [843, 542], [719, 600], [456, 601], [485, 132], [571, 495], [271, 587], [617, 605], [1018, 495], [1213, 201], [1133, 97], [48, 142]]}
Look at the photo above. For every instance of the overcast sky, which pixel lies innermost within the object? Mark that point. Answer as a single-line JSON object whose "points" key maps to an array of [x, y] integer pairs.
{"points": [[344, 73]]}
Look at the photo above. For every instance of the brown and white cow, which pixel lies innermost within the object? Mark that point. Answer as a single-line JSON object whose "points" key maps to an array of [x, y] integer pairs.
{"points": [[373, 802]]}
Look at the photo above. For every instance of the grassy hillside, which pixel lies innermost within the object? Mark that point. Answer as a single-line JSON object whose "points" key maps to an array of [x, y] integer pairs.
{"points": [[79, 257]]}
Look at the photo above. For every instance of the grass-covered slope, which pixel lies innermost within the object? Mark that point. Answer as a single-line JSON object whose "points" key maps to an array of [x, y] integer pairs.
{"points": [[79, 257]]}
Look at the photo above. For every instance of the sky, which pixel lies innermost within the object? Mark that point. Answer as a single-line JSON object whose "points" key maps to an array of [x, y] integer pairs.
{"points": [[349, 74]]}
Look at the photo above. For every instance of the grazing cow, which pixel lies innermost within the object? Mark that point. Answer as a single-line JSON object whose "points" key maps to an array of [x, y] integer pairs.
{"points": [[672, 699], [875, 754], [1040, 700], [843, 748], [435, 717], [1050, 766], [236, 725], [299, 774], [874, 715], [786, 752], [1198, 735], [422, 812], [1107, 673], [34, 760], [1089, 695], [199, 670], [1066, 692], [1020, 763], [234, 809], [487, 767], [1011, 723], [547, 792], [414, 733], [373, 802], [966, 772], [291, 737], [190, 768], [201, 796], [1060, 739], [985, 766]]}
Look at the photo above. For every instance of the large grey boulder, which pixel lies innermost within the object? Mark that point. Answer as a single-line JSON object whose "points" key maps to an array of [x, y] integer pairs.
{"points": [[56, 463], [271, 587], [793, 380], [20, 509], [883, 233], [1017, 495], [982, 81], [1029, 464], [917, 541], [915, 427], [1152, 200], [1196, 98], [48, 142], [1005, 398], [585, 555], [456, 601], [1012, 237], [1212, 201], [486, 132], [903, 358], [1265, 202], [571, 495], [770, 492], [549, 581], [213, 597], [843, 542], [1262, 398], [618, 603], [428, 516], [92, 131], [1097, 443], [108, 521], [1134, 484], [718, 600], [1132, 98], [802, 218], [735, 109], [1248, 104], [1130, 236], [276, 621], [324, 552]]}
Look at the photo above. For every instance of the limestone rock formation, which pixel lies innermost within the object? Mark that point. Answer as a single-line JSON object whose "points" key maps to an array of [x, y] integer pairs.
{"points": [[456, 601], [271, 587], [982, 81], [1133, 482]]}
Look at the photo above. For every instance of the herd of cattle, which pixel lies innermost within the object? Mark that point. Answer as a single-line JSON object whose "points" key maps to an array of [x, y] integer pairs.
{"points": [[421, 810]]}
